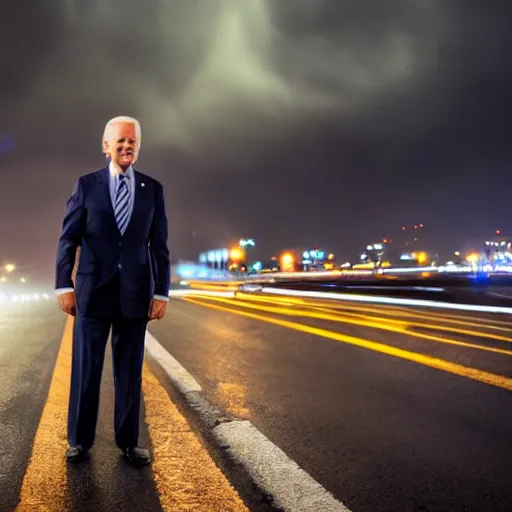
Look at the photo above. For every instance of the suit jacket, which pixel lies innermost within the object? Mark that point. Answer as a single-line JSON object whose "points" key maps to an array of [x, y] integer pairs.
{"points": [[140, 257]]}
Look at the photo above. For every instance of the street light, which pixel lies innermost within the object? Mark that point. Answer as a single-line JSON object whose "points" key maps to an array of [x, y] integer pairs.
{"points": [[236, 254], [287, 262], [472, 258], [422, 258], [10, 267]]}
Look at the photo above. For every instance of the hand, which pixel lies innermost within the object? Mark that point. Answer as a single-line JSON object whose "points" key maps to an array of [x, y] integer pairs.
{"points": [[158, 308], [67, 303]]}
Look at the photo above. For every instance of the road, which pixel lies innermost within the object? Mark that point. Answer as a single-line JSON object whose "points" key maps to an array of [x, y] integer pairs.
{"points": [[388, 409]]}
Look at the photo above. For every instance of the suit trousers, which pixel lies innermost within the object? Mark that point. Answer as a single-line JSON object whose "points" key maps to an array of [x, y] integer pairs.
{"points": [[90, 336]]}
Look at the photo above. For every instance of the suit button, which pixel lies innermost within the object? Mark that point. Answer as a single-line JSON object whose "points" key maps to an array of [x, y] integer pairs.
{"points": [[120, 244], [119, 266]]}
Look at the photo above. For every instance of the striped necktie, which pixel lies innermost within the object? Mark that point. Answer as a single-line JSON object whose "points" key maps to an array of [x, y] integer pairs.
{"points": [[122, 206]]}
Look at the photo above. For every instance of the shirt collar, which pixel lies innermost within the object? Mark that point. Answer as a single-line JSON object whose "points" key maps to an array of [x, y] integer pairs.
{"points": [[113, 172]]}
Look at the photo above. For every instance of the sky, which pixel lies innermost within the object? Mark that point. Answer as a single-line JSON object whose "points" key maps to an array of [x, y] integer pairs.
{"points": [[294, 122]]}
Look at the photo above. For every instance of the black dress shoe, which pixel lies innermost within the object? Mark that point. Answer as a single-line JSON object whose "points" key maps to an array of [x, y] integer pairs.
{"points": [[76, 453], [138, 457]]}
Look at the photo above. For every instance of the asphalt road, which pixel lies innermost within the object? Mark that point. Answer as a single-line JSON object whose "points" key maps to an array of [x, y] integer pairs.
{"points": [[381, 432], [29, 341], [389, 409], [35, 354]]}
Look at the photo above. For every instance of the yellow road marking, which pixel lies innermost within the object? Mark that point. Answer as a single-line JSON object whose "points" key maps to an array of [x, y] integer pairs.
{"points": [[439, 364], [44, 485], [490, 323], [385, 326], [213, 287], [185, 475], [486, 323], [438, 327], [437, 318], [406, 324]]}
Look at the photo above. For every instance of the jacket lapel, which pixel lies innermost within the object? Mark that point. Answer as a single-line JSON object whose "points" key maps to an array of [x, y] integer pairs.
{"points": [[104, 190], [137, 197]]}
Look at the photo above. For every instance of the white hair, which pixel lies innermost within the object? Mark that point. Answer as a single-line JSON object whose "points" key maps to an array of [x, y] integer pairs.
{"points": [[127, 120]]}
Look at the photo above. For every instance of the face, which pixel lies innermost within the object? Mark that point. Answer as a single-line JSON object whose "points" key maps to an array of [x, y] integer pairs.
{"points": [[121, 144]]}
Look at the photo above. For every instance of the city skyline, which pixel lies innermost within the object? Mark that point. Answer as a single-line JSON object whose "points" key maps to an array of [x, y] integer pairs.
{"points": [[259, 253], [411, 235]]}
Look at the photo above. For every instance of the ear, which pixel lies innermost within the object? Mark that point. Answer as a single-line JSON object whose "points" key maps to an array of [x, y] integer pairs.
{"points": [[106, 147]]}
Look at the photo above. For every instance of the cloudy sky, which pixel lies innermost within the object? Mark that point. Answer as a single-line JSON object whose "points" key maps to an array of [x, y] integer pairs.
{"points": [[296, 122]]}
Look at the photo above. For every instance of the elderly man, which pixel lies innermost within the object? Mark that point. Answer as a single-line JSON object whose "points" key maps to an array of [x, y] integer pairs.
{"points": [[117, 217]]}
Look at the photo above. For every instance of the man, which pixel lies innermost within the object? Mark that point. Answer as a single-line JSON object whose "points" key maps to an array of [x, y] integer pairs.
{"points": [[117, 217]]}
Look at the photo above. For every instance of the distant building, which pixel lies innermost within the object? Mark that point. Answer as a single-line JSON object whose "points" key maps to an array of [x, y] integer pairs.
{"points": [[385, 253], [498, 252], [317, 259], [376, 255]]}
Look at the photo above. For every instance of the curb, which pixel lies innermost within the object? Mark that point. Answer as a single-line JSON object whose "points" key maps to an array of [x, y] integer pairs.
{"points": [[281, 482]]}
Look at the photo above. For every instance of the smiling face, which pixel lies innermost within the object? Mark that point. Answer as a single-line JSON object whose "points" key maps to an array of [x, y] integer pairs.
{"points": [[121, 145]]}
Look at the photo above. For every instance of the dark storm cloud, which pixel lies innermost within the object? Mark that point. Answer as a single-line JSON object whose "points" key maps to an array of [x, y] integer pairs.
{"points": [[279, 109], [193, 67]]}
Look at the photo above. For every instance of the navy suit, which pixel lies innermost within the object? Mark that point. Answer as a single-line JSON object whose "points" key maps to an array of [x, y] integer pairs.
{"points": [[116, 279]]}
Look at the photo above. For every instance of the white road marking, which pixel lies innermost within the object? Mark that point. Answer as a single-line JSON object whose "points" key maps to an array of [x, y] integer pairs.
{"points": [[291, 488], [273, 471], [389, 300], [179, 376], [501, 295]]}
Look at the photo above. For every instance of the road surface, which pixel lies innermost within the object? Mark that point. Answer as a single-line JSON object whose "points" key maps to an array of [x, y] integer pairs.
{"points": [[388, 409]]}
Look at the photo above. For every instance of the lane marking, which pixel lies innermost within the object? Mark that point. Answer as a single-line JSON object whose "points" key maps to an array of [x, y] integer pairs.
{"points": [[44, 484], [179, 376], [291, 487], [404, 324], [185, 292], [389, 300], [390, 325], [349, 309], [182, 471], [388, 304], [500, 295], [438, 364], [185, 475], [489, 323]]}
